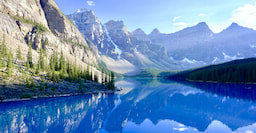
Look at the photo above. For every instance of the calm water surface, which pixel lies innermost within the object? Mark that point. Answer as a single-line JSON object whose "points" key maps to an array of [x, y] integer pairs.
{"points": [[144, 105]]}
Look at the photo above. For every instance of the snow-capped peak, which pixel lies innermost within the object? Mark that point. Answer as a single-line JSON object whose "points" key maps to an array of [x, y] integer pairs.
{"points": [[82, 10]]}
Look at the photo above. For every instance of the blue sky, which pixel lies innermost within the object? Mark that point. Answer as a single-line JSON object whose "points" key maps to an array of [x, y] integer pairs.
{"points": [[168, 15]]}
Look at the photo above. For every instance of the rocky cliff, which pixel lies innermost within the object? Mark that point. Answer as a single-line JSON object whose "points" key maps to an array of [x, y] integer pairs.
{"points": [[92, 29], [41, 23]]}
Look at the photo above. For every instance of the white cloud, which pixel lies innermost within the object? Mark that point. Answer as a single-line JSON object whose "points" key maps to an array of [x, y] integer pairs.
{"points": [[180, 24], [175, 18], [245, 15], [201, 15], [90, 3]]}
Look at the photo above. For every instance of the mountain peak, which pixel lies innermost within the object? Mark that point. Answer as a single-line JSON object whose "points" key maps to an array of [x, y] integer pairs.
{"points": [[155, 32], [82, 10], [117, 23], [117, 26], [234, 25], [202, 25], [141, 35], [201, 28], [235, 30], [138, 31]]}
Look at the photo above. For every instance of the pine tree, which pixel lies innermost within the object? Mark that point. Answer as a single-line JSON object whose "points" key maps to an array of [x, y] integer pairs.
{"points": [[111, 84], [3, 48], [19, 56], [51, 63], [56, 61], [62, 62], [102, 78], [88, 72], [10, 63], [29, 57], [3, 63], [41, 60]]}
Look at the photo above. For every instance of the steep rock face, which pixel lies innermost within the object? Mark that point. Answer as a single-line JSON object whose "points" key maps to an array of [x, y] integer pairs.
{"points": [[88, 24], [59, 24], [27, 9], [119, 34], [92, 29], [42, 24]]}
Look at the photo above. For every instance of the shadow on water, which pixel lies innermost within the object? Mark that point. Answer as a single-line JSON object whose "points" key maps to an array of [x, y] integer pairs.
{"points": [[237, 91], [62, 114]]}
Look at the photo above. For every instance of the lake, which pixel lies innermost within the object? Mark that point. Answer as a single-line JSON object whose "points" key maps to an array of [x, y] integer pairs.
{"points": [[144, 105]]}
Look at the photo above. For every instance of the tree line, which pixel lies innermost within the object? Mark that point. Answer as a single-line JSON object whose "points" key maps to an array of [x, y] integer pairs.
{"points": [[238, 71], [56, 68]]}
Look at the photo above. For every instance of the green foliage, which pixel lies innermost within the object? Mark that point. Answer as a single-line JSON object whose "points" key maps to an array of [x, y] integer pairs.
{"points": [[149, 72], [29, 57], [19, 55], [41, 88], [41, 61], [96, 79], [78, 44], [53, 88], [27, 95], [2, 98], [10, 64], [80, 84], [46, 85], [1, 64], [39, 28], [238, 71], [111, 83], [5, 84], [3, 49], [32, 85], [27, 83]]}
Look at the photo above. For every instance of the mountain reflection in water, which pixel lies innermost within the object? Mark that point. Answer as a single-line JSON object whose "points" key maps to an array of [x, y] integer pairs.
{"points": [[144, 105]]}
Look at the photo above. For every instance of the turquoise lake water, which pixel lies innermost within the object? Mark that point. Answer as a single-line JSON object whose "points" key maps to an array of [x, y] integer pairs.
{"points": [[144, 105]]}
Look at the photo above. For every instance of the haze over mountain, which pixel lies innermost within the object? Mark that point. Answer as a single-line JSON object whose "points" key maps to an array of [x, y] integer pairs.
{"points": [[119, 47], [191, 47]]}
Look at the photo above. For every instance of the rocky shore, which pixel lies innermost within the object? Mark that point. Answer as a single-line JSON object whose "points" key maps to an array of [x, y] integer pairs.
{"points": [[17, 87]]}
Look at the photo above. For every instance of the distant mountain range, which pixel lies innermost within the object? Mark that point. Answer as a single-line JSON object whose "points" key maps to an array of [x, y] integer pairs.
{"points": [[191, 47]]}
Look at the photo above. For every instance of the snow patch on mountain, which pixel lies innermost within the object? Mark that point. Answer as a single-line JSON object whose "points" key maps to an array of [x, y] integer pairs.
{"points": [[186, 60], [82, 10], [119, 51], [227, 57], [215, 60]]}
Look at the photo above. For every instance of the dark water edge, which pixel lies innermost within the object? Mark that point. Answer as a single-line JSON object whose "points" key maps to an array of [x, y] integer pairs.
{"points": [[232, 90], [144, 105]]}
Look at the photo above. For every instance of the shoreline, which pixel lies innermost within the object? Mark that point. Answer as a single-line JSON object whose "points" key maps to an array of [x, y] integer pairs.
{"points": [[61, 95], [13, 91], [216, 82]]}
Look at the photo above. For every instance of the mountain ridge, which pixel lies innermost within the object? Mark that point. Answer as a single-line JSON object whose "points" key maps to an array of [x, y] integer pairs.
{"points": [[180, 50]]}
